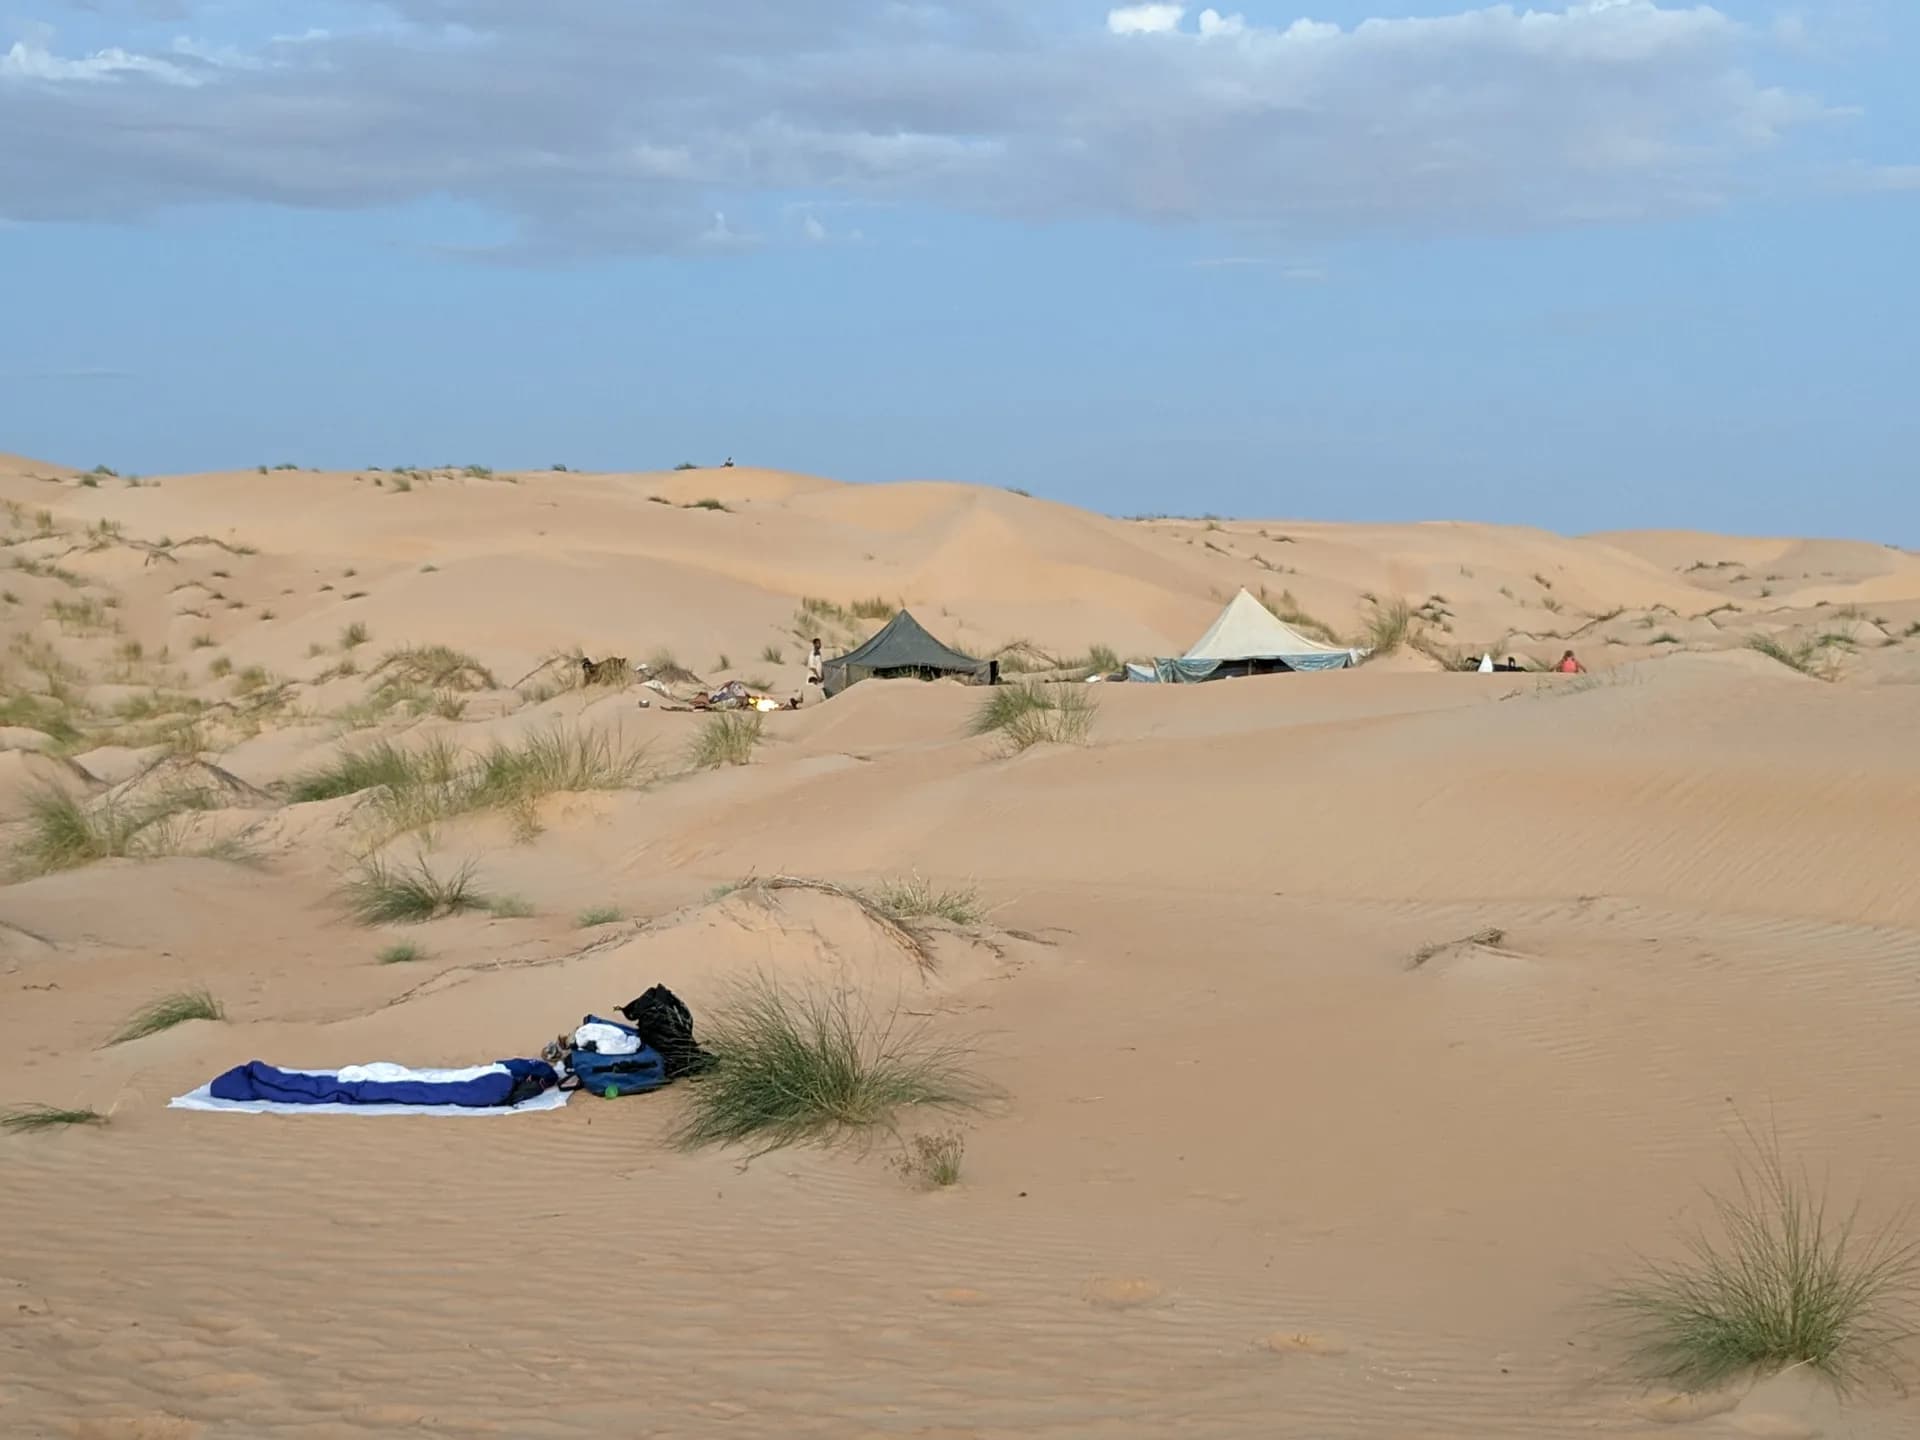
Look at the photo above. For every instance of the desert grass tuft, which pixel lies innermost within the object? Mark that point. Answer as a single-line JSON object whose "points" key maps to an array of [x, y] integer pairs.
{"points": [[385, 763], [1005, 704], [1066, 718], [510, 907], [433, 667], [1779, 1281], [64, 831], [1803, 656], [167, 1012], [725, 739], [405, 953], [1387, 627], [384, 894], [599, 915], [932, 1162], [913, 897], [26, 1119], [795, 1065]]}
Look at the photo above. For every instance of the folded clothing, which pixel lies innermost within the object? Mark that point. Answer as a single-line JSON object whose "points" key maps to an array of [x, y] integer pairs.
{"points": [[504, 1083], [603, 1038]]}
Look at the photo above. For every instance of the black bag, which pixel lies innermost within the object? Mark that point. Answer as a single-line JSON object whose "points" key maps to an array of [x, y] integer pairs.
{"points": [[666, 1025]]}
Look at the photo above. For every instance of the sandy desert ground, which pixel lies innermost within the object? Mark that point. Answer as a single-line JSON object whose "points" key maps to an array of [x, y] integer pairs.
{"points": [[1252, 1172]]}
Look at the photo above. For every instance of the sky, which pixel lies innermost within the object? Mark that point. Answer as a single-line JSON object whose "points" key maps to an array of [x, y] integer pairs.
{"points": [[1586, 264]]}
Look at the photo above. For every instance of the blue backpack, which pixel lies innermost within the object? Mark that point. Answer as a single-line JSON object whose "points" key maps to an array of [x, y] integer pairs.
{"points": [[613, 1075]]}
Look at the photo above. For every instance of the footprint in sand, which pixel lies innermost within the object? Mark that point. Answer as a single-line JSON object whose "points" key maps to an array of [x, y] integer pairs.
{"points": [[1304, 1342], [1121, 1292]]}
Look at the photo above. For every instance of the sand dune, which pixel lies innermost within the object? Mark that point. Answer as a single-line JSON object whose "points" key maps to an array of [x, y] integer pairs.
{"points": [[1351, 1031]]}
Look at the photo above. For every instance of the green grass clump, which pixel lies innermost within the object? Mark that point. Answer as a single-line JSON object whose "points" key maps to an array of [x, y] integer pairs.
{"points": [[510, 907], [64, 832], [1005, 704], [1780, 1282], [555, 762], [384, 894], [351, 771], [24, 1119], [792, 1066], [1803, 656], [773, 655], [354, 636], [1029, 715], [708, 504], [167, 1012], [405, 953], [914, 897], [1102, 660], [599, 915], [728, 738], [874, 607], [39, 712], [1387, 627]]}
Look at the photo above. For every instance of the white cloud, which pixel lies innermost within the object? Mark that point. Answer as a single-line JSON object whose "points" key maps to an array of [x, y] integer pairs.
{"points": [[811, 227], [626, 125], [32, 62], [1145, 19]]}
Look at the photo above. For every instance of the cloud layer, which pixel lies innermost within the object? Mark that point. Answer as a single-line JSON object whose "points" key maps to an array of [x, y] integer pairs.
{"points": [[623, 125]]}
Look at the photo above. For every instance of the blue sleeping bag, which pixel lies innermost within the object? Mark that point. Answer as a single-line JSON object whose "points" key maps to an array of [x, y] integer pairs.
{"points": [[484, 1088]]}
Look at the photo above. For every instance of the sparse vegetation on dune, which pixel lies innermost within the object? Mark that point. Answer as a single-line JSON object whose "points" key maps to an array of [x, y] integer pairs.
{"points": [[380, 893], [1028, 715], [437, 781], [433, 667], [1006, 703], [64, 831], [1778, 1281], [25, 1119], [354, 635], [933, 1161], [167, 1012], [384, 763], [914, 897], [728, 738], [510, 907], [599, 915], [795, 1065], [1388, 626], [1803, 656], [405, 953]]}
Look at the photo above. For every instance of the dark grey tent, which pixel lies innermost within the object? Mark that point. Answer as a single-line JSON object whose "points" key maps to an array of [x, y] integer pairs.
{"points": [[903, 648]]}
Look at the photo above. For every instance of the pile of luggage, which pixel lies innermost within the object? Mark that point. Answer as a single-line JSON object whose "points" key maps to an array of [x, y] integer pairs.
{"points": [[653, 1048]]}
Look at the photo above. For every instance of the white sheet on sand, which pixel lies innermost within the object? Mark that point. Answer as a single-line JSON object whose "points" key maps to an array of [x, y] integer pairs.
{"points": [[202, 1099]]}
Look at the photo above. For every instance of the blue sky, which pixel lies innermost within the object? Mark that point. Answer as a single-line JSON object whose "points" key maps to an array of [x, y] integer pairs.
{"points": [[1594, 263]]}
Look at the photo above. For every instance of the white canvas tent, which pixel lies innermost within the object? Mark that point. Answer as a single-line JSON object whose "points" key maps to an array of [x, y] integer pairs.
{"points": [[1248, 639]]}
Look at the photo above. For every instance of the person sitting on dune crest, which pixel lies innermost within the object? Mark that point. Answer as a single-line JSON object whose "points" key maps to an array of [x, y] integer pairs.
{"points": [[1570, 666]]}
